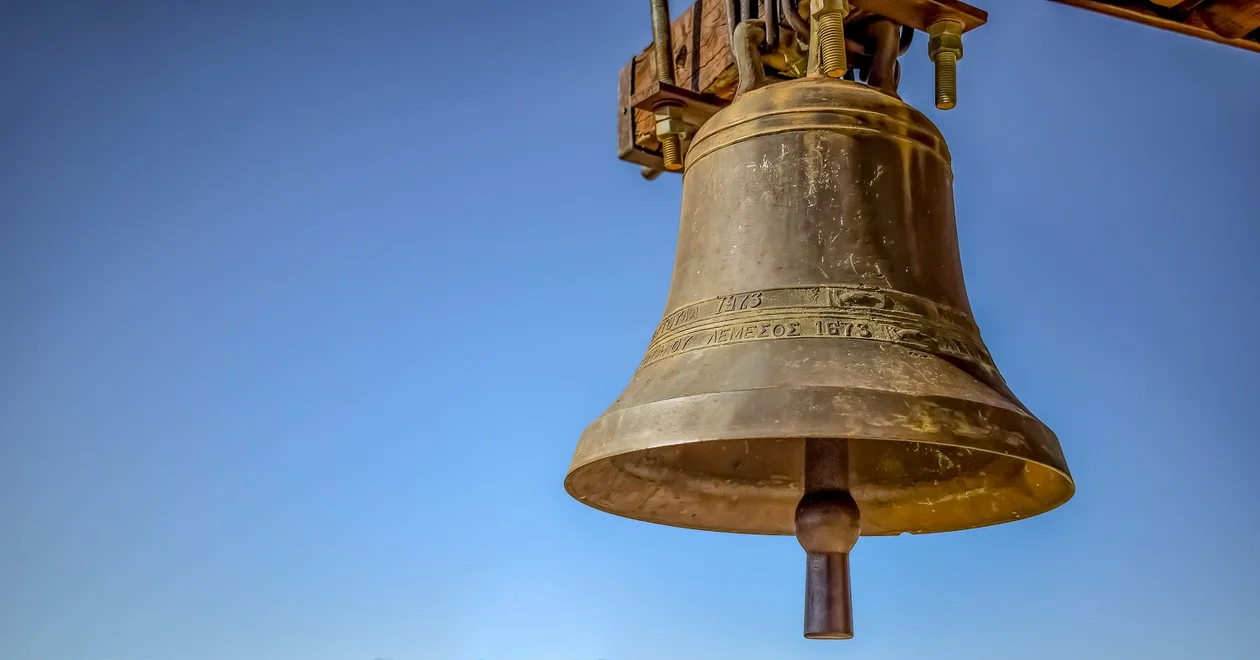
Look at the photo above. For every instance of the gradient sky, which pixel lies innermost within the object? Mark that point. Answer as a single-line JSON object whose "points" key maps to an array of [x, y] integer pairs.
{"points": [[305, 305]]}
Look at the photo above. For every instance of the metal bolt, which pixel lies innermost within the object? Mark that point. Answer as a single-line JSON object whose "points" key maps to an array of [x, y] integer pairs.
{"points": [[945, 49], [670, 128], [670, 153], [671, 147], [828, 17], [661, 41]]}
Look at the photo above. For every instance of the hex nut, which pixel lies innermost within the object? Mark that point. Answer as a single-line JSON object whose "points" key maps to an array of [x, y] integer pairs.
{"points": [[819, 7], [671, 126], [945, 37], [670, 111]]}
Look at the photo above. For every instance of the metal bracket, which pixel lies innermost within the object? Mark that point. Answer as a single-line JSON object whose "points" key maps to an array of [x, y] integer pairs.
{"points": [[697, 108], [921, 14]]}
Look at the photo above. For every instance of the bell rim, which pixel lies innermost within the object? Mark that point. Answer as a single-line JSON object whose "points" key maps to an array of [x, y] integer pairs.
{"points": [[1041, 458], [1067, 481]]}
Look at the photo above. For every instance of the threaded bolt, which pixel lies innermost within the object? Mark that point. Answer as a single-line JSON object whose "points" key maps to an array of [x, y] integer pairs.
{"points": [[661, 41], [670, 129], [945, 49], [829, 16], [831, 40], [668, 117], [946, 81], [669, 153]]}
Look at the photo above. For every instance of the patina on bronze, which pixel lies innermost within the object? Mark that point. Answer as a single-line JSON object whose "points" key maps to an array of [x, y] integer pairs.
{"points": [[817, 371]]}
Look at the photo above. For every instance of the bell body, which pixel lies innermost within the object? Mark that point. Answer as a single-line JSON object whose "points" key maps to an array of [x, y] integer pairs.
{"points": [[818, 294]]}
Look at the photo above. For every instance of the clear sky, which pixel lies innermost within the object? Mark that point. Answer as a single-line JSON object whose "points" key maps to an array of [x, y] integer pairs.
{"points": [[305, 305]]}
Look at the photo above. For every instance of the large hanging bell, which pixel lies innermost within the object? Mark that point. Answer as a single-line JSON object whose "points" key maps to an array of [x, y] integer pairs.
{"points": [[818, 371]]}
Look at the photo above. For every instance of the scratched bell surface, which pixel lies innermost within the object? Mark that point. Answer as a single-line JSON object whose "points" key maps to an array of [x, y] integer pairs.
{"points": [[818, 293]]}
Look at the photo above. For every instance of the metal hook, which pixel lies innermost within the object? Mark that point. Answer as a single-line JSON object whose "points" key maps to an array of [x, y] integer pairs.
{"points": [[749, 35]]}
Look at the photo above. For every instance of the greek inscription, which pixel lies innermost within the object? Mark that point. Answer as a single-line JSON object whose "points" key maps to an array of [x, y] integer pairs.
{"points": [[842, 312], [677, 319], [834, 328], [739, 302]]}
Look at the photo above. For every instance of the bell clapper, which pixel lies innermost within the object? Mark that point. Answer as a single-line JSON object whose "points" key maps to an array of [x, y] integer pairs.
{"points": [[827, 526]]}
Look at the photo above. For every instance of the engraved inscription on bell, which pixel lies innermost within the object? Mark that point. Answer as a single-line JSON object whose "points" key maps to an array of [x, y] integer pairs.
{"points": [[818, 311]]}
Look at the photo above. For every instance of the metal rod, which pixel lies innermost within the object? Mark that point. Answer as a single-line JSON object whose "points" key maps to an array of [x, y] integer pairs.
{"points": [[671, 143], [827, 527], [770, 14], [907, 38], [649, 173], [661, 41], [732, 16], [745, 44], [882, 72], [826, 465], [828, 596], [788, 10]]}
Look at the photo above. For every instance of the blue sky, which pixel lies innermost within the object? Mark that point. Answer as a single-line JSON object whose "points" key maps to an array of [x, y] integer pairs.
{"points": [[305, 306]]}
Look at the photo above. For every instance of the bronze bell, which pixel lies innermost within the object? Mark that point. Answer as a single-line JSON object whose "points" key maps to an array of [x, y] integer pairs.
{"points": [[818, 371]]}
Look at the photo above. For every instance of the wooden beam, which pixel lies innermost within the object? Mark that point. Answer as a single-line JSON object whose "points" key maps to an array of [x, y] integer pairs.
{"points": [[1144, 13], [1232, 19], [702, 64]]}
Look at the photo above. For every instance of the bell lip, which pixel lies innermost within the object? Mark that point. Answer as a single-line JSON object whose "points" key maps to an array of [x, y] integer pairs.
{"points": [[1065, 477], [825, 636], [1048, 461]]}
